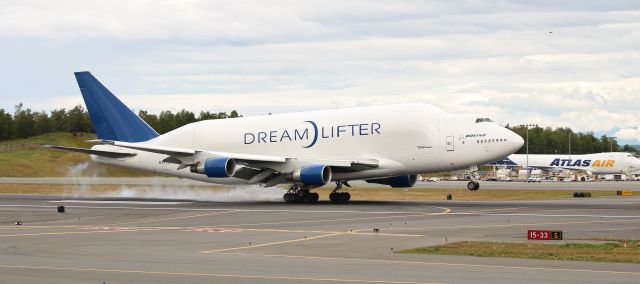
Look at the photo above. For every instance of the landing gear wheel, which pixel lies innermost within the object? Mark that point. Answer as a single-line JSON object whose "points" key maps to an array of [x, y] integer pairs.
{"points": [[314, 196], [339, 197], [333, 197], [473, 185], [300, 194]]}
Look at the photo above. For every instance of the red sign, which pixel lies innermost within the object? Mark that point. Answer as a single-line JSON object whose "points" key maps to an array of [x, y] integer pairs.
{"points": [[544, 235]]}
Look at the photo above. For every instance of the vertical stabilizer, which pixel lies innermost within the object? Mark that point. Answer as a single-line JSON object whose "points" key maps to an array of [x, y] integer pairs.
{"points": [[111, 119]]}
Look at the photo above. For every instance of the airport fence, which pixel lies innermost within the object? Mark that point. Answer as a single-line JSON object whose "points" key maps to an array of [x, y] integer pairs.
{"points": [[19, 147]]}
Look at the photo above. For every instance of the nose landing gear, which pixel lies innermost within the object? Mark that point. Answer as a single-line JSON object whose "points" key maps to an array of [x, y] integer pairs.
{"points": [[473, 175], [473, 185]]}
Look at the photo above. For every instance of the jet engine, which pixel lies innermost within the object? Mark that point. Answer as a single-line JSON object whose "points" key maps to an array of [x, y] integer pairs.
{"points": [[215, 167], [313, 175], [399, 181]]}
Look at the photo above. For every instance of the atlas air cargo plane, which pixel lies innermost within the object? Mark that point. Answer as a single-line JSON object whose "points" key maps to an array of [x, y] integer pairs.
{"points": [[387, 145], [598, 164]]}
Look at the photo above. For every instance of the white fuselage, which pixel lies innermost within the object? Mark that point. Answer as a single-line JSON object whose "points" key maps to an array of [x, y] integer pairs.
{"points": [[404, 139], [600, 163]]}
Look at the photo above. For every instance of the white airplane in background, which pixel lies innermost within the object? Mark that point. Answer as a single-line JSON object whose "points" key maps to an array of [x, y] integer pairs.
{"points": [[381, 144], [593, 164]]}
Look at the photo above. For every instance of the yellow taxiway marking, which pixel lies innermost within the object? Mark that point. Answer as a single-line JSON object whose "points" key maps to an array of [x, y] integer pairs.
{"points": [[175, 218], [426, 263], [168, 273], [274, 243], [489, 210], [110, 228], [354, 232], [511, 225], [444, 211]]}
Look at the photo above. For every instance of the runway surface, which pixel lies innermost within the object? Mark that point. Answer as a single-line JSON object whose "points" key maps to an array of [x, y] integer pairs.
{"points": [[175, 241]]}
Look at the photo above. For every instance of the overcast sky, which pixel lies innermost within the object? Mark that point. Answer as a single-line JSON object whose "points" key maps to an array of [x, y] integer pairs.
{"points": [[573, 64]]}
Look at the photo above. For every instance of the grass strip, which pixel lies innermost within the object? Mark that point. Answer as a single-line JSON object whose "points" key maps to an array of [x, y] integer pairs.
{"points": [[610, 251]]}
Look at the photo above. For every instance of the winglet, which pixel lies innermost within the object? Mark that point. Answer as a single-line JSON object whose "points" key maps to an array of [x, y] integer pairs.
{"points": [[111, 119]]}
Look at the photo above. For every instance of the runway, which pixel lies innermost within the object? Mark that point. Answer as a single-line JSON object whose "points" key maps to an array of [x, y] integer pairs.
{"points": [[170, 181], [177, 241]]}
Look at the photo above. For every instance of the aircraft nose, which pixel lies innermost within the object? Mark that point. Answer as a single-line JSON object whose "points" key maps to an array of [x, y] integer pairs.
{"points": [[514, 140]]}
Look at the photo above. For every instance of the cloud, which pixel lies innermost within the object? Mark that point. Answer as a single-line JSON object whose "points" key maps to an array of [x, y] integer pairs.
{"points": [[493, 57], [629, 134]]}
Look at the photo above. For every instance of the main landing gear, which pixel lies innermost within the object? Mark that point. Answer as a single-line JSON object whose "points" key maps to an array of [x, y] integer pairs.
{"points": [[337, 196], [473, 185], [300, 194]]}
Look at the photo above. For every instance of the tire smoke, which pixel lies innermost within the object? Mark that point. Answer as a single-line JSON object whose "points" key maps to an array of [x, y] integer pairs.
{"points": [[227, 194]]}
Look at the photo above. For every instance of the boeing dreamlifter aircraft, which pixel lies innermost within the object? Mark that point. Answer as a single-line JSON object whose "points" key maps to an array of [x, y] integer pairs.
{"points": [[381, 144]]}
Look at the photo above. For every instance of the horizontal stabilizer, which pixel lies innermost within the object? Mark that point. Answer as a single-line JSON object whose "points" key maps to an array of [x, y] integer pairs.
{"points": [[108, 154]]}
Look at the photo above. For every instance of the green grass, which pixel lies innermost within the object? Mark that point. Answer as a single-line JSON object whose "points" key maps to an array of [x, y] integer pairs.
{"points": [[601, 252], [25, 158]]}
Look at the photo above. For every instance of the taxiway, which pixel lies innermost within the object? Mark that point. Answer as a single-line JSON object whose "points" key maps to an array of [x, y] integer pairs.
{"points": [[168, 241]]}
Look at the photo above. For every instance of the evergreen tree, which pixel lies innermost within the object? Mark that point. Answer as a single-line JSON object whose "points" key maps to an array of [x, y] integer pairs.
{"points": [[184, 117], [77, 120], [58, 120], [42, 123], [23, 122], [6, 125], [166, 122], [150, 119]]}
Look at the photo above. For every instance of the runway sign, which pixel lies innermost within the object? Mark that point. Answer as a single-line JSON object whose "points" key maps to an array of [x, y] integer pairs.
{"points": [[544, 235], [624, 192]]}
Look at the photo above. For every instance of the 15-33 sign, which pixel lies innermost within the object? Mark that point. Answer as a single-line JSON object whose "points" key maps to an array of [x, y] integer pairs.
{"points": [[544, 235]]}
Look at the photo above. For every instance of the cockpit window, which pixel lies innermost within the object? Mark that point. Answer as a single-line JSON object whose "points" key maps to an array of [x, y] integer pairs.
{"points": [[483, 119]]}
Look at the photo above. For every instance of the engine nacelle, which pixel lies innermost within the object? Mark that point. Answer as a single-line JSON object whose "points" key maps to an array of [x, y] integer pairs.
{"points": [[399, 181], [215, 167], [313, 175]]}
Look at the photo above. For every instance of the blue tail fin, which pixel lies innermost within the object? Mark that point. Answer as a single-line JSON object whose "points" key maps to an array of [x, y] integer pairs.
{"points": [[111, 119]]}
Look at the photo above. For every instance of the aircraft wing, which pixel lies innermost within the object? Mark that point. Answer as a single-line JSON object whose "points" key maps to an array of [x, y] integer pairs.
{"points": [[187, 154], [257, 168]]}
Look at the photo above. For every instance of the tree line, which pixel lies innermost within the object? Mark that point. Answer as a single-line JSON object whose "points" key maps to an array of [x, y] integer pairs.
{"points": [[563, 140], [24, 122]]}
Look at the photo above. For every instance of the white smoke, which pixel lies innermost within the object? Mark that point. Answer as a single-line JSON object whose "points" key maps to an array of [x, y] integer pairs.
{"points": [[230, 194], [76, 171], [190, 193], [157, 190]]}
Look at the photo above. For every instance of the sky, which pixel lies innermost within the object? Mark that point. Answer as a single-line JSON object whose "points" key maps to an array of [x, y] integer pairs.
{"points": [[551, 63]]}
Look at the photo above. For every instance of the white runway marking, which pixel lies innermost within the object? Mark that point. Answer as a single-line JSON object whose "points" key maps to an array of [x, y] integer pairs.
{"points": [[547, 215], [120, 202], [428, 263], [320, 211], [219, 209], [252, 278]]}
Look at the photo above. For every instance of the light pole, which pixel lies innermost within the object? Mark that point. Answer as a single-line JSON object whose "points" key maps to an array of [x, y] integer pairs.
{"points": [[569, 143], [528, 125], [611, 142]]}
